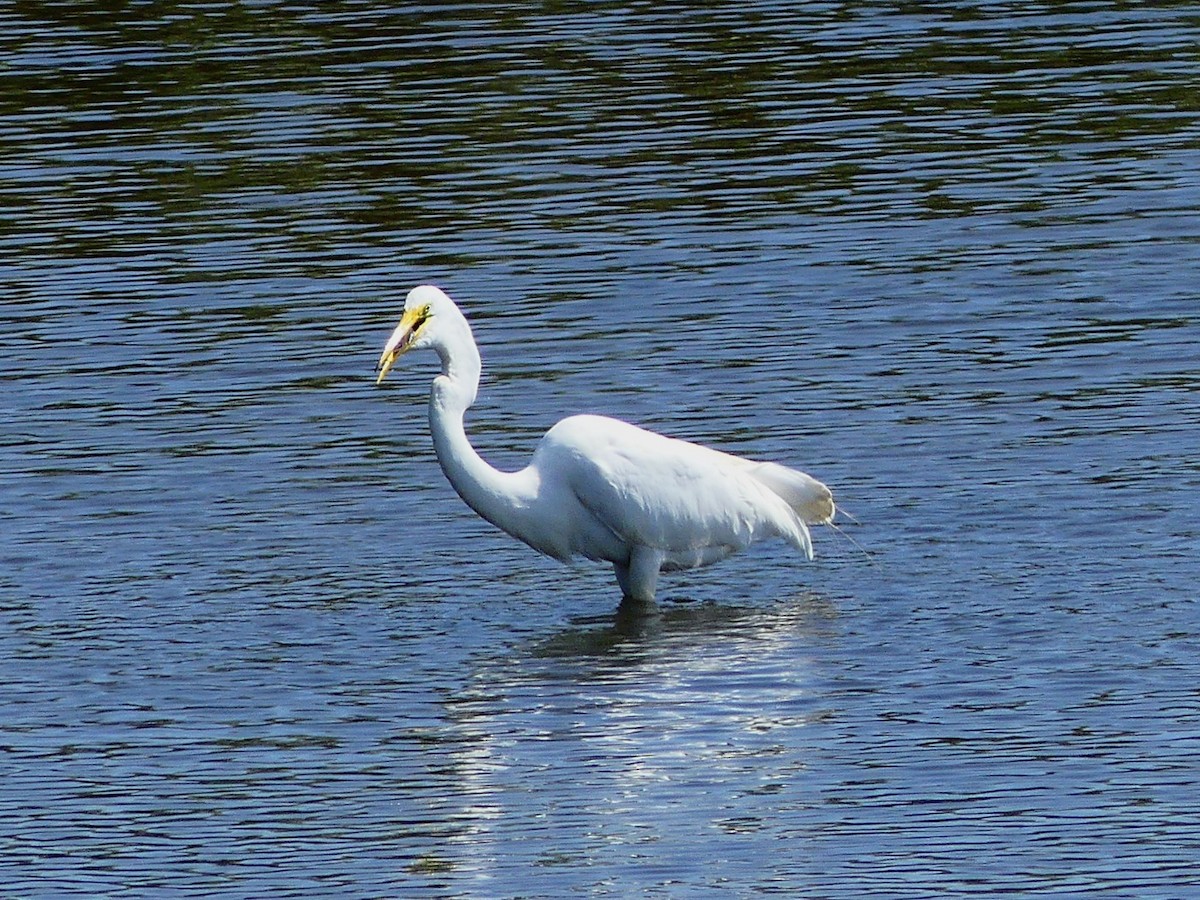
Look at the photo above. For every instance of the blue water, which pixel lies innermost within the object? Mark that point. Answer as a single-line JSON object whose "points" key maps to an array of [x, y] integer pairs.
{"points": [[251, 643]]}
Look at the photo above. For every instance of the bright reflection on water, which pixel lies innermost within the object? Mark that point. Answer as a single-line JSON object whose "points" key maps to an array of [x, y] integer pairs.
{"points": [[252, 644]]}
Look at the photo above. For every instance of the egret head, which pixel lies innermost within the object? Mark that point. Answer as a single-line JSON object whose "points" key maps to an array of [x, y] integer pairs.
{"points": [[417, 328]]}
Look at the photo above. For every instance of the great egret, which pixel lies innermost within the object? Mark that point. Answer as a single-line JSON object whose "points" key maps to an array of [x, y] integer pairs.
{"points": [[599, 487]]}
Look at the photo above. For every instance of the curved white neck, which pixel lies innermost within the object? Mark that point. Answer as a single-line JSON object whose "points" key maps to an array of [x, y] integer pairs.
{"points": [[497, 496]]}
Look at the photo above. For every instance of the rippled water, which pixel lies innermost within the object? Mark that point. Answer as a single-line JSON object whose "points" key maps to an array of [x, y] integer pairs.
{"points": [[947, 261]]}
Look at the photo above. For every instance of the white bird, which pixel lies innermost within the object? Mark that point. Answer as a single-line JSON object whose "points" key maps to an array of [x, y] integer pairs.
{"points": [[599, 487]]}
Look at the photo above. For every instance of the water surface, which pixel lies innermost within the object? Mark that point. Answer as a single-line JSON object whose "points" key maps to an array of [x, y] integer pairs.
{"points": [[944, 260]]}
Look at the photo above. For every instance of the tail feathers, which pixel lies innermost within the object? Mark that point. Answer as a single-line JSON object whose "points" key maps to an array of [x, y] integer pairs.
{"points": [[811, 500], [799, 535]]}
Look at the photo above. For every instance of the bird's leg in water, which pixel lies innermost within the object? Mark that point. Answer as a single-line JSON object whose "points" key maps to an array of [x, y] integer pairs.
{"points": [[639, 576], [638, 620], [622, 572]]}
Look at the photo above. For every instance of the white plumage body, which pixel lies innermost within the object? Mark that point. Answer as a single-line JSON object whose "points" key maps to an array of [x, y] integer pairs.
{"points": [[692, 504], [601, 488]]}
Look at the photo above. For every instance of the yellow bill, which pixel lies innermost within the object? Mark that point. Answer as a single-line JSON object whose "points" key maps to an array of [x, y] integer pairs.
{"points": [[401, 340]]}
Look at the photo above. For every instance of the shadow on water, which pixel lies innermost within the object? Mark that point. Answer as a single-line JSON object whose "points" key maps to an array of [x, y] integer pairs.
{"points": [[635, 628]]}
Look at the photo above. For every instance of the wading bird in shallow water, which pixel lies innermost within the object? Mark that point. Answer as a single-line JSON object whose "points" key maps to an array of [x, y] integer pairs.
{"points": [[599, 487]]}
